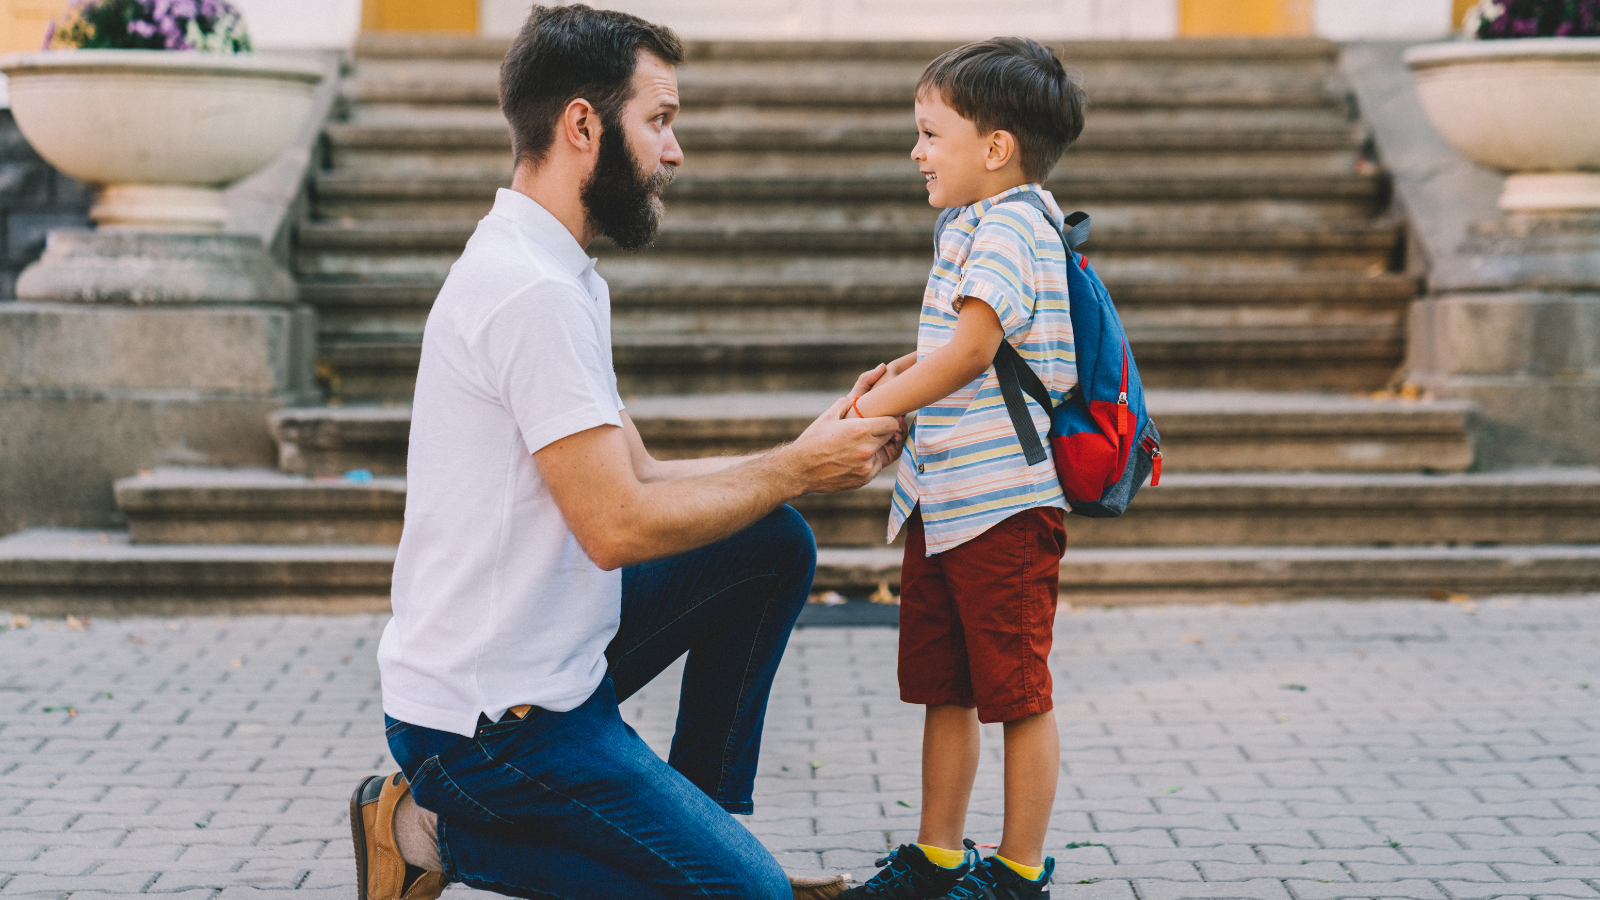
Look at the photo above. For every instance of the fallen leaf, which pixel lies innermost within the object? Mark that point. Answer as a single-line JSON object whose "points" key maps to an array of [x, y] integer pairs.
{"points": [[1295, 687], [1172, 790], [136, 639], [1361, 654], [1078, 844], [1191, 639], [1233, 639], [20, 621], [1087, 881], [174, 626], [1452, 596], [828, 598], [1282, 718], [235, 663], [907, 804], [108, 695], [884, 595], [817, 764], [201, 824], [71, 712], [313, 670]]}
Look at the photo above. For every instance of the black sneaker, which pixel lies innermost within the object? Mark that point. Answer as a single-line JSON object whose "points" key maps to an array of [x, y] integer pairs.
{"points": [[907, 874], [994, 880]]}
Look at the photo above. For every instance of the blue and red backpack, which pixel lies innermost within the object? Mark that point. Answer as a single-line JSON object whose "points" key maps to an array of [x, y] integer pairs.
{"points": [[1104, 442]]}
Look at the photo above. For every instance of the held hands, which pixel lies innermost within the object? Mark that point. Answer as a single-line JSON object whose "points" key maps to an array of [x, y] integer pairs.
{"points": [[835, 454], [876, 379]]}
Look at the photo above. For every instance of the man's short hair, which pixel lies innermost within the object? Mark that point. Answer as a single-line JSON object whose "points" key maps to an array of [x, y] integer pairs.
{"points": [[567, 52], [1016, 85]]}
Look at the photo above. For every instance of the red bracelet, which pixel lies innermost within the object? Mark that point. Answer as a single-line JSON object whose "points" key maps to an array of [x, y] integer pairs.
{"points": [[856, 409]]}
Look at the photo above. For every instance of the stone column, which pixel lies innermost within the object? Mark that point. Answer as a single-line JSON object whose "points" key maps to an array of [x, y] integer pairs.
{"points": [[1511, 320], [1510, 314], [126, 351]]}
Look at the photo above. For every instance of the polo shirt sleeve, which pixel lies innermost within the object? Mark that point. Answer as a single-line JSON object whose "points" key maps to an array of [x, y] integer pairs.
{"points": [[999, 269], [543, 354]]}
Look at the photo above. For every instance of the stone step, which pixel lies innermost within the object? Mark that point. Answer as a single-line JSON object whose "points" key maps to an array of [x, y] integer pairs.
{"points": [[375, 45], [830, 294], [60, 571], [1556, 506], [797, 232], [390, 134], [1202, 431], [1333, 358], [99, 573], [258, 506], [1128, 576], [884, 82], [471, 194], [1548, 506]]}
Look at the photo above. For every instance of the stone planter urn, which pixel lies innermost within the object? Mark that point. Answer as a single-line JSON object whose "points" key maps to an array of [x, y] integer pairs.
{"points": [[1527, 106], [161, 132]]}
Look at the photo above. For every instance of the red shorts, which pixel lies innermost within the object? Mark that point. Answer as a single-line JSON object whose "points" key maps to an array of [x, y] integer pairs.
{"points": [[976, 621]]}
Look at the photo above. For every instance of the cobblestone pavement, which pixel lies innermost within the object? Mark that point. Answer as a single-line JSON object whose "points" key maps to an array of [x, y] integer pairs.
{"points": [[1308, 751]]}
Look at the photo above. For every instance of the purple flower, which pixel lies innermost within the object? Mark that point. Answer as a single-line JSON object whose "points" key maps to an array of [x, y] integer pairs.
{"points": [[49, 34], [142, 29]]}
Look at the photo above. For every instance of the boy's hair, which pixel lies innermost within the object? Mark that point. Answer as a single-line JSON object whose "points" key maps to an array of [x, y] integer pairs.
{"points": [[567, 52], [1016, 85]]}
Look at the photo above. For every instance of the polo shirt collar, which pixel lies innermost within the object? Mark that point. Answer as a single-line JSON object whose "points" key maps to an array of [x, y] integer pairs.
{"points": [[543, 228]]}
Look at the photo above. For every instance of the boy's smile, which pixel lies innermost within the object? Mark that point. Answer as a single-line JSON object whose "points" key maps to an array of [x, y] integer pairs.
{"points": [[961, 166]]}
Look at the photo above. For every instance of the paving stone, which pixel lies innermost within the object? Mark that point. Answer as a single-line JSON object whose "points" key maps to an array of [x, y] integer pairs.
{"points": [[1181, 774]]}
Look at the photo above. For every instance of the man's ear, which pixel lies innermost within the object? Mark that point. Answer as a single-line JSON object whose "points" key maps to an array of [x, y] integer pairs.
{"points": [[1002, 150], [580, 125]]}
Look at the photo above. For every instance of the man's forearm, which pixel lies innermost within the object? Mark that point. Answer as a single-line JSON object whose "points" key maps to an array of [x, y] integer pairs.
{"points": [[673, 469], [690, 510]]}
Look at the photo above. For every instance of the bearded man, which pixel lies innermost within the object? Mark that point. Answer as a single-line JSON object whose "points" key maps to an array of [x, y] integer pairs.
{"points": [[550, 567]]}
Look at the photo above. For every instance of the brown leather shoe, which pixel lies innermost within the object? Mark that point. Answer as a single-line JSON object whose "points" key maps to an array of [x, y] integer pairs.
{"points": [[817, 887], [380, 870]]}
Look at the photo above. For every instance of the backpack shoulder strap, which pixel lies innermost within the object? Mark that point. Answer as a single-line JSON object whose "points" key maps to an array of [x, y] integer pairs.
{"points": [[945, 218], [1016, 378]]}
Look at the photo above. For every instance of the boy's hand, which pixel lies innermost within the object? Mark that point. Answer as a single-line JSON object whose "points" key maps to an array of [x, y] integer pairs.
{"points": [[865, 381]]}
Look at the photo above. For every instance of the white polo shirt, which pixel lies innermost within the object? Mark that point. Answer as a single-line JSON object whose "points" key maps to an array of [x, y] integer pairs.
{"points": [[495, 603]]}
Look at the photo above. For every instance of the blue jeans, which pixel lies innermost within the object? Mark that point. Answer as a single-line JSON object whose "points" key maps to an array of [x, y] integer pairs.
{"points": [[575, 805]]}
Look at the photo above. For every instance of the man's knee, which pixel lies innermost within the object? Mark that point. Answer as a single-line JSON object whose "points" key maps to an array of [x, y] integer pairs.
{"points": [[787, 536]]}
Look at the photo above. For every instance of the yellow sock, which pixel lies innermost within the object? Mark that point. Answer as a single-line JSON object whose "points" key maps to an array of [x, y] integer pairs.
{"points": [[1031, 873], [944, 859]]}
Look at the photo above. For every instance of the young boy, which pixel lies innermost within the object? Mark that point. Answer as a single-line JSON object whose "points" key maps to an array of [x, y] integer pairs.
{"points": [[984, 533]]}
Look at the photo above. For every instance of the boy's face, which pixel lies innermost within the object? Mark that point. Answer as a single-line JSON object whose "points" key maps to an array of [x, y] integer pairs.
{"points": [[960, 164]]}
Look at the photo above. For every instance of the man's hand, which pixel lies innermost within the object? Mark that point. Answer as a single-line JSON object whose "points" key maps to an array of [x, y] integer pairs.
{"points": [[836, 454], [876, 379]]}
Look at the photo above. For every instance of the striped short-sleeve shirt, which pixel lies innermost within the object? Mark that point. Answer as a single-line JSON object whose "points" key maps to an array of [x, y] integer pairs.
{"points": [[963, 464]]}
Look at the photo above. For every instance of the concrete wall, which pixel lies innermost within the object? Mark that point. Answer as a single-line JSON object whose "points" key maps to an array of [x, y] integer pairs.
{"points": [[34, 198]]}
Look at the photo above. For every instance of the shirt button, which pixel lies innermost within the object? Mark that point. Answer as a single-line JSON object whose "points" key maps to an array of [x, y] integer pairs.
{"points": [[919, 468]]}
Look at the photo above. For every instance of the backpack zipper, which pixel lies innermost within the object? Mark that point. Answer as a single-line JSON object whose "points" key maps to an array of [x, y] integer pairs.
{"points": [[1154, 449], [1122, 397]]}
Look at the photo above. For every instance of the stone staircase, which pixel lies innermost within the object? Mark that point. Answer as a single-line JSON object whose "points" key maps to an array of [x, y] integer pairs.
{"points": [[1240, 222]]}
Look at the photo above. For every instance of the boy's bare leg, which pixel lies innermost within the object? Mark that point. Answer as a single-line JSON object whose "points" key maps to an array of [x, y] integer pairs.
{"points": [[949, 765], [1033, 764]]}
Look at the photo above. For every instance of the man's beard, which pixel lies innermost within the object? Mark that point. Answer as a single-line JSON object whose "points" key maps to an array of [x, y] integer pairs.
{"points": [[621, 203]]}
